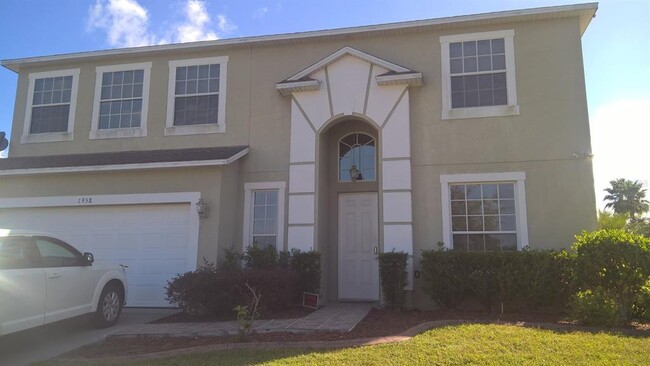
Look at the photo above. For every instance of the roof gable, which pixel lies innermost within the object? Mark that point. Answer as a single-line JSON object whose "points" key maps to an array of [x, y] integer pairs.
{"points": [[396, 74], [345, 51]]}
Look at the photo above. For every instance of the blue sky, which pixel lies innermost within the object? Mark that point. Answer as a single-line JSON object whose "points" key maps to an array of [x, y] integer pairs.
{"points": [[616, 47]]}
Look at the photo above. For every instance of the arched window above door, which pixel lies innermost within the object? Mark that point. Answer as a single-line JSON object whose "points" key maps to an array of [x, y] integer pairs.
{"points": [[357, 158]]}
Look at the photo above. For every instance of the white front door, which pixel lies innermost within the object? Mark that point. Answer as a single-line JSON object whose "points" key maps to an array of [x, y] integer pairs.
{"points": [[358, 246]]}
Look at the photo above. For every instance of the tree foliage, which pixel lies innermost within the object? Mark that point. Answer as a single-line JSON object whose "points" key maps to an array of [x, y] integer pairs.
{"points": [[627, 197], [611, 221]]}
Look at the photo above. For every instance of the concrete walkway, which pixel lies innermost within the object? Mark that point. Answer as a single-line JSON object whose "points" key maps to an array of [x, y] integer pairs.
{"points": [[335, 317]]}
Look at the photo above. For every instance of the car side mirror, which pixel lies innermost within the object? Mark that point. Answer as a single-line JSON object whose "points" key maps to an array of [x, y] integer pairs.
{"points": [[90, 258]]}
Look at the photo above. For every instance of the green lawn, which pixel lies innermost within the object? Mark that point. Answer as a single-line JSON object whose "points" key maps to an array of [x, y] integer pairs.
{"points": [[453, 345]]}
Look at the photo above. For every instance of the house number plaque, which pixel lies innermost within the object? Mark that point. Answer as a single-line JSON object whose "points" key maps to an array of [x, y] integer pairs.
{"points": [[85, 201]]}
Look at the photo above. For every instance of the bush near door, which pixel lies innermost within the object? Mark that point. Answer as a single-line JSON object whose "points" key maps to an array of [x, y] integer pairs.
{"points": [[392, 272]]}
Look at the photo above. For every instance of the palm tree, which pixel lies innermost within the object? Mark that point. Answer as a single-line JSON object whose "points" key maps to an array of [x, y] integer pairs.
{"points": [[627, 197]]}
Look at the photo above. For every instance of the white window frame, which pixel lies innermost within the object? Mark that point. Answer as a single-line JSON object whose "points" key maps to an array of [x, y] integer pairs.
{"points": [[28, 138], [519, 180], [511, 109], [95, 132], [220, 126], [249, 189]]}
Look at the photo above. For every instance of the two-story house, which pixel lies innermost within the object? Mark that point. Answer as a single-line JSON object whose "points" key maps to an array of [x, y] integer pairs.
{"points": [[468, 130]]}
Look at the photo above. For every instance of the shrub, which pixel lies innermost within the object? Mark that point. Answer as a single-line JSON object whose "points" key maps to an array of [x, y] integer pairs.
{"points": [[306, 265], [193, 292], [522, 280], [392, 272], [641, 309], [615, 262], [217, 292], [232, 259], [595, 307], [260, 258]]}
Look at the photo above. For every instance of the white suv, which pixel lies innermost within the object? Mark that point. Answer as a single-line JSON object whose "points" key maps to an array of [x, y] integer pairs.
{"points": [[43, 280]]}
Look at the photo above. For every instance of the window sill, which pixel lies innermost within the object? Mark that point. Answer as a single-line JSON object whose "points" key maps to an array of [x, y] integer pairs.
{"points": [[195, 129], [481, 112], [47, 137], [117, 133]]}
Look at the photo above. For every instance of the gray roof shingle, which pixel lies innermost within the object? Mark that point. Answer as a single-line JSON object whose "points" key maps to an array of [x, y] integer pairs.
{"points": [[120, 158]]}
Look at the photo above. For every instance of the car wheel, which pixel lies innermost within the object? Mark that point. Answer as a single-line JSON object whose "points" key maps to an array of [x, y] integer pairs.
{"points": [[109, 307]]}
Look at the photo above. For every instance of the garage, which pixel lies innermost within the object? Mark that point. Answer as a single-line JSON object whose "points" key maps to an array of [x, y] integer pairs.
{"points": [[155, 240]]}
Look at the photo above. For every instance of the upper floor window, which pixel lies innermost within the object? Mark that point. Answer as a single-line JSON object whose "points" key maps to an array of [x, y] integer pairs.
{"points": [[357, 158], [478, 73], [49, 115], [121, 100], [197, 91]]}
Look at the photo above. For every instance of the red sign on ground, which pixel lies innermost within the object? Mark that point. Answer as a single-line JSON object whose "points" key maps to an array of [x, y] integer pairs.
{"points": [[310, 300]]}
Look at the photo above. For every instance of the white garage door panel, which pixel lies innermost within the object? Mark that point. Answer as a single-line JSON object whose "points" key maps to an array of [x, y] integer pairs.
{"points": [[153, 240]]}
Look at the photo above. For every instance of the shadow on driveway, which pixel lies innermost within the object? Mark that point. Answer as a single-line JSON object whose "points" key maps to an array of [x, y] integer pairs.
{"points": [[48, 341]]}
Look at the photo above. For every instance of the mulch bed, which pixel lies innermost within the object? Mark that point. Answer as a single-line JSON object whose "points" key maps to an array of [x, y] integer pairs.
{"points": [[378, 323]]}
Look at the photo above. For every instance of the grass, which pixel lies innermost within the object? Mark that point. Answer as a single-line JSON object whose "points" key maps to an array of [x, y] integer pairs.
{"points": [[470, 344]]}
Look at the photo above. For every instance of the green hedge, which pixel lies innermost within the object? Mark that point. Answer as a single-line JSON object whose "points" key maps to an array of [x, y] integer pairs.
{"points": [[392, 272], [614, 263], [217, 291], [603, 280], [521, 281]]}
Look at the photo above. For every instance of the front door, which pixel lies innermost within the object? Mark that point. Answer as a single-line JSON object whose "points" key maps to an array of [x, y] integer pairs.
{"points": [[358, 247]]}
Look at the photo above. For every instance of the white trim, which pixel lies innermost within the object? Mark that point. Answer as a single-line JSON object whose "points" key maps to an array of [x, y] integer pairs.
{"points": [[344, 52], [482, 177], [519, 178], [584, 11], [100, 200], [286, 89], [116, 167], [220, 126], [477, 36], [121, 199], [28, 138], [249, 188], [411, 79], [95, 132], [511, 109]]}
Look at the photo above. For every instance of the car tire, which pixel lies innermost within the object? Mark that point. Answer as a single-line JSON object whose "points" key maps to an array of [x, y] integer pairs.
{"points": [[109, 307]]}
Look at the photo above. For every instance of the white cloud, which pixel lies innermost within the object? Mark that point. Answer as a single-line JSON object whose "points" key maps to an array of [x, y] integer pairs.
{"points": [[260, 12], [225, 25], [3, 154], [127, 23], [619, 136], [194, 28]]}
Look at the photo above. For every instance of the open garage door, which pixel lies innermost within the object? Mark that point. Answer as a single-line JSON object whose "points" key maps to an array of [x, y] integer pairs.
{"points": [[153, 240]]}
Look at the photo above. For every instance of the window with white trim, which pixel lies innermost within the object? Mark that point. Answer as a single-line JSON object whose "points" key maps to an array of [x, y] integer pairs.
{"points": [[121, 101], [478, 73], [197, 90], [265, 218], [264, 214], [483, 216], [484, 212], [49, 114]]}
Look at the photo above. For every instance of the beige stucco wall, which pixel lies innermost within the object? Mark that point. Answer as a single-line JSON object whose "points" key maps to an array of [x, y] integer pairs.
{"points": [[540, 141]]}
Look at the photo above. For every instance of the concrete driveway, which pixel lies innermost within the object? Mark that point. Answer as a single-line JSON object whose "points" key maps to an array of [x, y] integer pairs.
{"points": [[45, 342]]}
